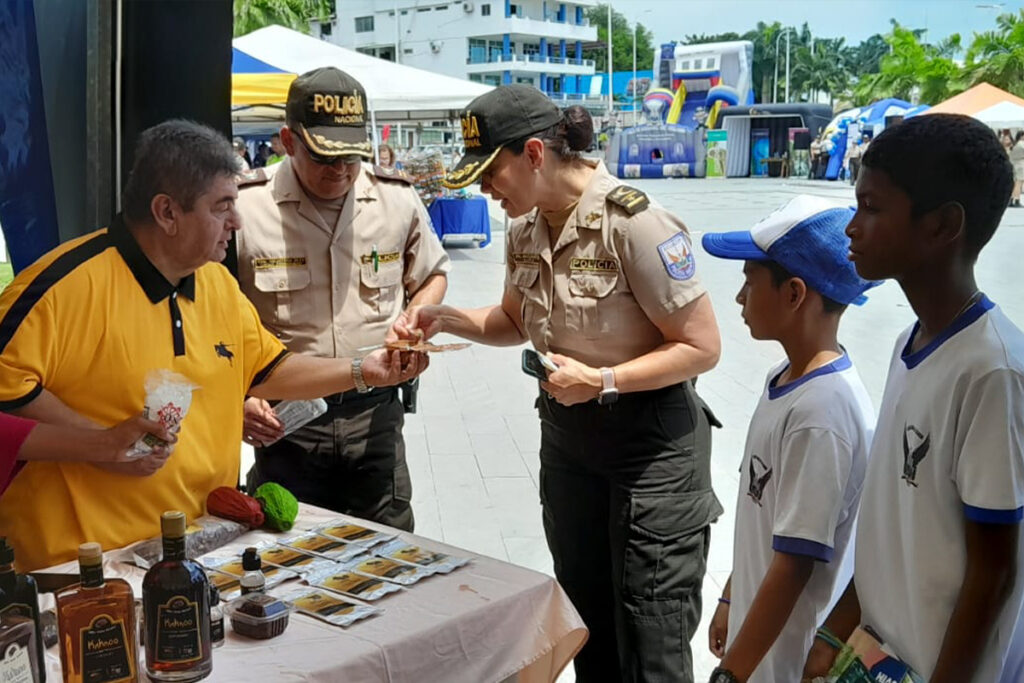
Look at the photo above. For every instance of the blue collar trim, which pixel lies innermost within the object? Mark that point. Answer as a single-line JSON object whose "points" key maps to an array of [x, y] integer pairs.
{"points": [[838, 365], [912, 360]]}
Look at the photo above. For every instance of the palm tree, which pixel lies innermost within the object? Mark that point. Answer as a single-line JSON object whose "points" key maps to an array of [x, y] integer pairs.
{"points": [[821, 68], [294, 14], [912, 66], [997, 57]]}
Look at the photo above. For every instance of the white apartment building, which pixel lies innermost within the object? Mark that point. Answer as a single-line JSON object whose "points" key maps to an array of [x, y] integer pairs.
{"points": [[489, 41]]}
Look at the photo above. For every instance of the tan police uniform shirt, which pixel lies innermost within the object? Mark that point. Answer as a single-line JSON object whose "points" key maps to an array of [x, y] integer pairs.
{"points": [[620, 261], [315, 285]]}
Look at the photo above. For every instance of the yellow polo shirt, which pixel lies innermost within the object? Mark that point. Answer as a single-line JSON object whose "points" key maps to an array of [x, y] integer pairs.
{"points": [[89, 321]]}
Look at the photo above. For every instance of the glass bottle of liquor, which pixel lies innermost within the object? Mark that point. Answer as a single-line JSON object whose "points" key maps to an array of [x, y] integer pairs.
{"points": [[20, 598], [18, 662], [176, 604], [96, 621]]}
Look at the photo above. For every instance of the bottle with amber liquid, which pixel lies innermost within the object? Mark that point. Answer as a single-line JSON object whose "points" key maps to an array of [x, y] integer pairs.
{"points": [[176, 608], [19, 597], [96, 622]]}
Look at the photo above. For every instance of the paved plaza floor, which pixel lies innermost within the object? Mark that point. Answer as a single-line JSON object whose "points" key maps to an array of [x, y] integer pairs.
{"points": [[472, 448]]}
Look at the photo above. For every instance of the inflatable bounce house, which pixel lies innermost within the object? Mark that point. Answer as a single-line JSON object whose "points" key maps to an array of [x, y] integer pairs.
{"points": [[869, 120], [695, 82]]}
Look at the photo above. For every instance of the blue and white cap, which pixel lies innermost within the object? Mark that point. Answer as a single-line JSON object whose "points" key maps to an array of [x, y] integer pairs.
{"points": [[807, 237]]}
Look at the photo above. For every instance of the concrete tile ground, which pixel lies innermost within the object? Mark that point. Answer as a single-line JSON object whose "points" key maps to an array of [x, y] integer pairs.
{"points": [[473, 446]]}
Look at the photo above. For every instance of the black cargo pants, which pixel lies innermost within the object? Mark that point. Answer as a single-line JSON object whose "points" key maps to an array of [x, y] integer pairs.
{"points": [[627, 503], [351, 459]]}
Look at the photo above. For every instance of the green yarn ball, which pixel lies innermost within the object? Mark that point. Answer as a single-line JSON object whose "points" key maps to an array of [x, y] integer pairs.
{"points": [[279, 506]]}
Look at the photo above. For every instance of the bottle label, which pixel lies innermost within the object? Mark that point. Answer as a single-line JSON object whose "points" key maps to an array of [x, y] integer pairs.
{"points": [[105, 656], [216, 630], [16, 665], [174, 548], [92, 576], [178, 636]]}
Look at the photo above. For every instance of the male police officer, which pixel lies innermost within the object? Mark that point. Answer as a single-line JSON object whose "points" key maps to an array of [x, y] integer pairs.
{"points": [[333, 250]]}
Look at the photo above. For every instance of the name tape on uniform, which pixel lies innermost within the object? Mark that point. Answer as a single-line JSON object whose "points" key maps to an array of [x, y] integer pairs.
{"points": [[388, 257], [288, 262], [525, 259]]}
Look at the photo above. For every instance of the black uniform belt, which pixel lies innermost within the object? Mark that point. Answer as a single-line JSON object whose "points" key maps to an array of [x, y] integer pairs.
{"points": [[350, 397]]}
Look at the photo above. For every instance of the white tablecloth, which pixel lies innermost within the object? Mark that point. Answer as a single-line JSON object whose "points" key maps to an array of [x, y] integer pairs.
{"points": [[486, 622]]}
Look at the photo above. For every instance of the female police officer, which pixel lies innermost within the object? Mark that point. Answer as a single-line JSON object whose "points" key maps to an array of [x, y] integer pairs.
{"points": [[604, 282]]}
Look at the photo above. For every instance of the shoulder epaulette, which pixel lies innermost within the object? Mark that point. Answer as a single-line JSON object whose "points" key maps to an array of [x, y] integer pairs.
{"points": [[388, 173], [629, 198], [256, 176]]}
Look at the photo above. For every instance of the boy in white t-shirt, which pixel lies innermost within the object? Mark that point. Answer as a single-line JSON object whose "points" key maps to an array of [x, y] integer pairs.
{"points": [[938, 540], [807, 445]]}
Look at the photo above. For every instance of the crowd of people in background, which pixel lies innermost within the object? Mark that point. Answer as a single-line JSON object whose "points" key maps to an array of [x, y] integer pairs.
{"points": [[1014, 147]]}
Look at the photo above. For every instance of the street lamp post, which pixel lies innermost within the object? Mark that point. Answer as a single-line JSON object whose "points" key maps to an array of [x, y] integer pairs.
{"points": [[635, 23], [775, 90]]}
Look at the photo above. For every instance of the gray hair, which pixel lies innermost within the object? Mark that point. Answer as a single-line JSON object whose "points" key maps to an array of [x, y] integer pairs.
{"points": [[178, 158]]}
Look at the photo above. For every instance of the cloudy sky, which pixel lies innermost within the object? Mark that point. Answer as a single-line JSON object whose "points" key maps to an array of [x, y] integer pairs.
{"points": [[852, 19]]}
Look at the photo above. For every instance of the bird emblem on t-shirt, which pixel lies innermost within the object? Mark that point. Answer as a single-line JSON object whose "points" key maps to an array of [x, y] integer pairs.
{"points": [[760, 473], [915, 448]]}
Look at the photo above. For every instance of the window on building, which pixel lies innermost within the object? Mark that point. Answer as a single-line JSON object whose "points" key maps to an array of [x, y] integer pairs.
{"points": [[527, 81], [325, 30], [477, 51], [476, 78], [364, 24], [515, 10], [407, 51], [492, 80], [440, 8], [485, 10], [422, 9]]}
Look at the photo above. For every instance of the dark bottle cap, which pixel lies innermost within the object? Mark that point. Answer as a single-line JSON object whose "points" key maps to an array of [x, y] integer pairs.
{"points": [[6, 552], [251, 560]]}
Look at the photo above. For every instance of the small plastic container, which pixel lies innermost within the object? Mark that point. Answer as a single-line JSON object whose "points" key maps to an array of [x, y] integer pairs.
{"points": [[258, 615]]}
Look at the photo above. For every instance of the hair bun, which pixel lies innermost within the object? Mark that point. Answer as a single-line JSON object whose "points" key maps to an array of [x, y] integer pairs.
{"points": [[579, 128]]}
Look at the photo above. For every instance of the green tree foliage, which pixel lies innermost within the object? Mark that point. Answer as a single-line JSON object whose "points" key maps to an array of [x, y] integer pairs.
{"points": [[622, 42], [251, 15], [913, 69], [997, 57]]}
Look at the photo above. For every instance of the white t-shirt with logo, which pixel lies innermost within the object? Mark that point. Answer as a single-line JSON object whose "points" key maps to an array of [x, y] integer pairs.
{"points": [[949, 446], [800, 481]]}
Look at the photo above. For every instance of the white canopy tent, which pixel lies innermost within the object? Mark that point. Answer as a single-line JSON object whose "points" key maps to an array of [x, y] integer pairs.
{"points": [[395, 92], [1002, 115]]}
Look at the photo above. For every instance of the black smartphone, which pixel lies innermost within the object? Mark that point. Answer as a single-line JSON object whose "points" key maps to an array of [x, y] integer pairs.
{"points": [[536, 365]]}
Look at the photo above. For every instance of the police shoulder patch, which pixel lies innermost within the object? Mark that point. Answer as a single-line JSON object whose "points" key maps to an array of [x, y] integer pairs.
{"points": [[677, 256], [256, 176], [388, 173], [631, 199]]}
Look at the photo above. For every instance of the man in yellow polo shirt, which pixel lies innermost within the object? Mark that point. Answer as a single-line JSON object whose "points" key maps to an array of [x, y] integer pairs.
{"points": [[82, 328]]}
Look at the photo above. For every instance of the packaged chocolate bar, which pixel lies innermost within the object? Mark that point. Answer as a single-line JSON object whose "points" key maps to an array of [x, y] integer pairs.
{"points": [[353, 533], [405, 552], [232, 565], [325, 546], [329, 607], [389, 570], [350, 583]]}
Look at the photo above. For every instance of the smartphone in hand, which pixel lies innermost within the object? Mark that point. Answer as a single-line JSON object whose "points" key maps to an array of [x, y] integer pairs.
{"points": [[536, 365]]}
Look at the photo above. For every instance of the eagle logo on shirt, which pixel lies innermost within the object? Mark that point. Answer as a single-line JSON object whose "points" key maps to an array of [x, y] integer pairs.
{"points": [[760, 473], [915, 448]]}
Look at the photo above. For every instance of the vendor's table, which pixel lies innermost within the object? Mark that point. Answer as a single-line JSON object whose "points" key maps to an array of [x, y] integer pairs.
{"points": [[486, 622], [463, 217]]}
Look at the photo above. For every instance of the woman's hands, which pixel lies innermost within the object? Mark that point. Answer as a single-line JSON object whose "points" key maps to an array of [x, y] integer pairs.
{"points": [[573, 382]]}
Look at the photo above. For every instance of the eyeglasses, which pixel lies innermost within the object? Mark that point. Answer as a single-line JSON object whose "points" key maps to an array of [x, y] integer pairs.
{"points": [[329, 160]]}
